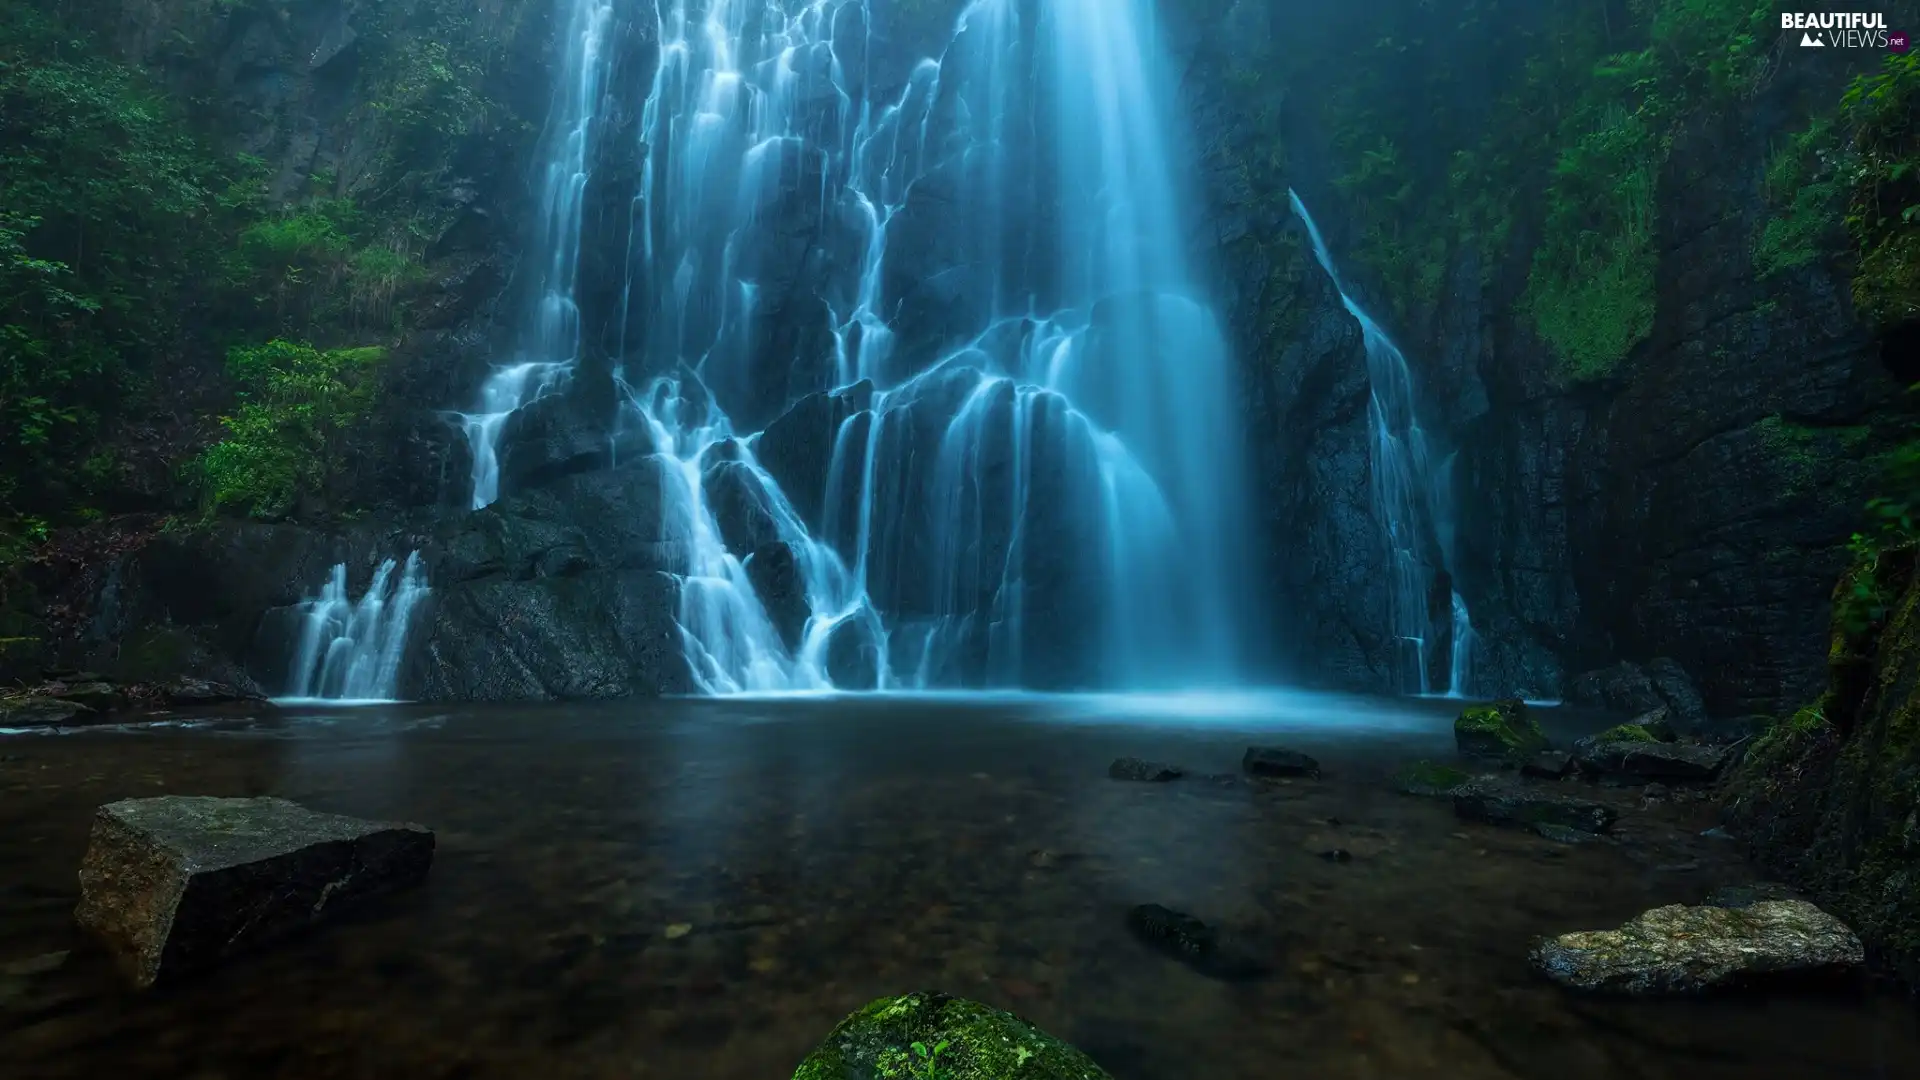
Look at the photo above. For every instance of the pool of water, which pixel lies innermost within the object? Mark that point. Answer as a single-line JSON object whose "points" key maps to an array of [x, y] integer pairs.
{"points": [[703, 888]]}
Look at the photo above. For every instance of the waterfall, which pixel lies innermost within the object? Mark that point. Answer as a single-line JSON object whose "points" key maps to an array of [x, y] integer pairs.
{"points": [[1036, 479], [352, 651], [972, 266], [551, 345], [1413, 499]]}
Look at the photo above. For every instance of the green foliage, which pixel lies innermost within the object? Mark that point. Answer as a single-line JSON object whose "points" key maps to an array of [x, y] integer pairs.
{"points": [[926, 1065], [1864, 597], [1883, 209], [1804, 189], [297, 407]]}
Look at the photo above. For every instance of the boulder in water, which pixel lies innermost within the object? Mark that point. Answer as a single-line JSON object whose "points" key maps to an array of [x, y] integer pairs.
{"points": [[926, 1035], [1641, 760], [179, 883], [1275, 761], [39, 710], [1153, 772], [1681, 949], [1500, 730], [1495, 803]]}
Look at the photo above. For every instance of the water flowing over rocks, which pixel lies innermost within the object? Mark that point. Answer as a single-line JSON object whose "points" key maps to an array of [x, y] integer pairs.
{"points": [[1679, 949], [180, 883]]}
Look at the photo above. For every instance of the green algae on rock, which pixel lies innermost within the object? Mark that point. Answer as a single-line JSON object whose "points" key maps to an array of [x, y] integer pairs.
{"points": [[924, 1035], [1500, 729], [1679, 949]]}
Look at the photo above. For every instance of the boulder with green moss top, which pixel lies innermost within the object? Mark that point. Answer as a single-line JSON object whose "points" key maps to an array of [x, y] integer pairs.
{"points": [[1681, 949], [1502, 730], [923, 1035], [1429, 779]]}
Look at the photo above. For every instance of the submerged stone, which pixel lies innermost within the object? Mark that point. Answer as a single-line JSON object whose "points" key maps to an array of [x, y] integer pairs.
{"points": [[1681, 949], [179, 883], [1499, 804], [1501, 729], [1152, 772], [1275, 761], [1429, 779], [1171, 931], [934, 1035]]}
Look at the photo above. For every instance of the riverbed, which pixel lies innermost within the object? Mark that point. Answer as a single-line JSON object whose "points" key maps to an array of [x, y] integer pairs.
{"points": [[703, 888]]}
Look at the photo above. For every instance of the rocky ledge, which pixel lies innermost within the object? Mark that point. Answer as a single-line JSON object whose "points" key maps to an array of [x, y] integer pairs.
{"points": [[1681, 949], [66, 699], [179, 883]]}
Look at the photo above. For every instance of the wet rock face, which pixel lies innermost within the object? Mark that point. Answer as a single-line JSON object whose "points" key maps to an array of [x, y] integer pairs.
{"points": [[1679, 949], [1625, 687], [179, 883], [1496, 803], [899, 1036]]}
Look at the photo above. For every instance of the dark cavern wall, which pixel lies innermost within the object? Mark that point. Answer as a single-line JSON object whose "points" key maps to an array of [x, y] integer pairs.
{"points": [[1622, 252], [1651, 309]]}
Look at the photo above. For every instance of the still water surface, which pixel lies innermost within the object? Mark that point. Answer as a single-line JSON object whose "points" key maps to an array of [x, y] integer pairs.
{"points": [[701, 889]]}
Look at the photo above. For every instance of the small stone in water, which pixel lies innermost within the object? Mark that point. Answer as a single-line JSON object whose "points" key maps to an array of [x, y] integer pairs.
{"points": [[678, 930], [1337, 855]]}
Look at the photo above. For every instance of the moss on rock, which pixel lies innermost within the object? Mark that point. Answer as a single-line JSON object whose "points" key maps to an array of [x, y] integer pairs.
{"points": [[1627, 733], [1500, 729], [936, 1037]]}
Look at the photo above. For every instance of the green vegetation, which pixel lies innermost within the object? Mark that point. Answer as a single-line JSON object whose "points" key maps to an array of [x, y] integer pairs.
{"points": [[936, 1037], [297, 405], [1429, 778], [1882, 111], [1574, 145], [1804, 458], [136, 250], [1627, 733]]}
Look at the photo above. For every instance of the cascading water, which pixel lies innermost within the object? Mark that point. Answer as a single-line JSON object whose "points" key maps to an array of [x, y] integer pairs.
{"points": [[551, 346], [1414, 501], [1046, 496], [351, 651]]}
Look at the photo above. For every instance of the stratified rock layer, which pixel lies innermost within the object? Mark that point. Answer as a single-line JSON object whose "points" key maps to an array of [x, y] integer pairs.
{"points": [[179, 883], [1681, 949], [975, 1043]]}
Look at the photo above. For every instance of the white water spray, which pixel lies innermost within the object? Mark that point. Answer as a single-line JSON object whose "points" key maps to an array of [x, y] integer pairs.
{"points": [[351, 651], [551, 347], [1413, 499]]}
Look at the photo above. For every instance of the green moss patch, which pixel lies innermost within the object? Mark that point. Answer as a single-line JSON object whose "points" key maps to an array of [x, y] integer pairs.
{"points": [[1429, 778], [1627, 733], [936, 1037], [1502, 729]]}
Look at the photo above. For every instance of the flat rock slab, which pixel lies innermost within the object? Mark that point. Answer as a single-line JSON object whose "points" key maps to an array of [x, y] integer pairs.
{"points": [[180, 883], [1151, 772], [1666, 762], [1276, 761], [1494, 803], [1679, 949]]}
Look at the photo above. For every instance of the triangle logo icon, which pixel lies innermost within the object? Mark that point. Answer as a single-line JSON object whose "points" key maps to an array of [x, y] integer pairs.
{"points": [[1807, 40]]}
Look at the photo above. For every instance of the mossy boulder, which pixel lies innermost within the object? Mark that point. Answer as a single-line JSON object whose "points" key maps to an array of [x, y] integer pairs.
{"points": [[922, 1035], [1501, 730]]}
